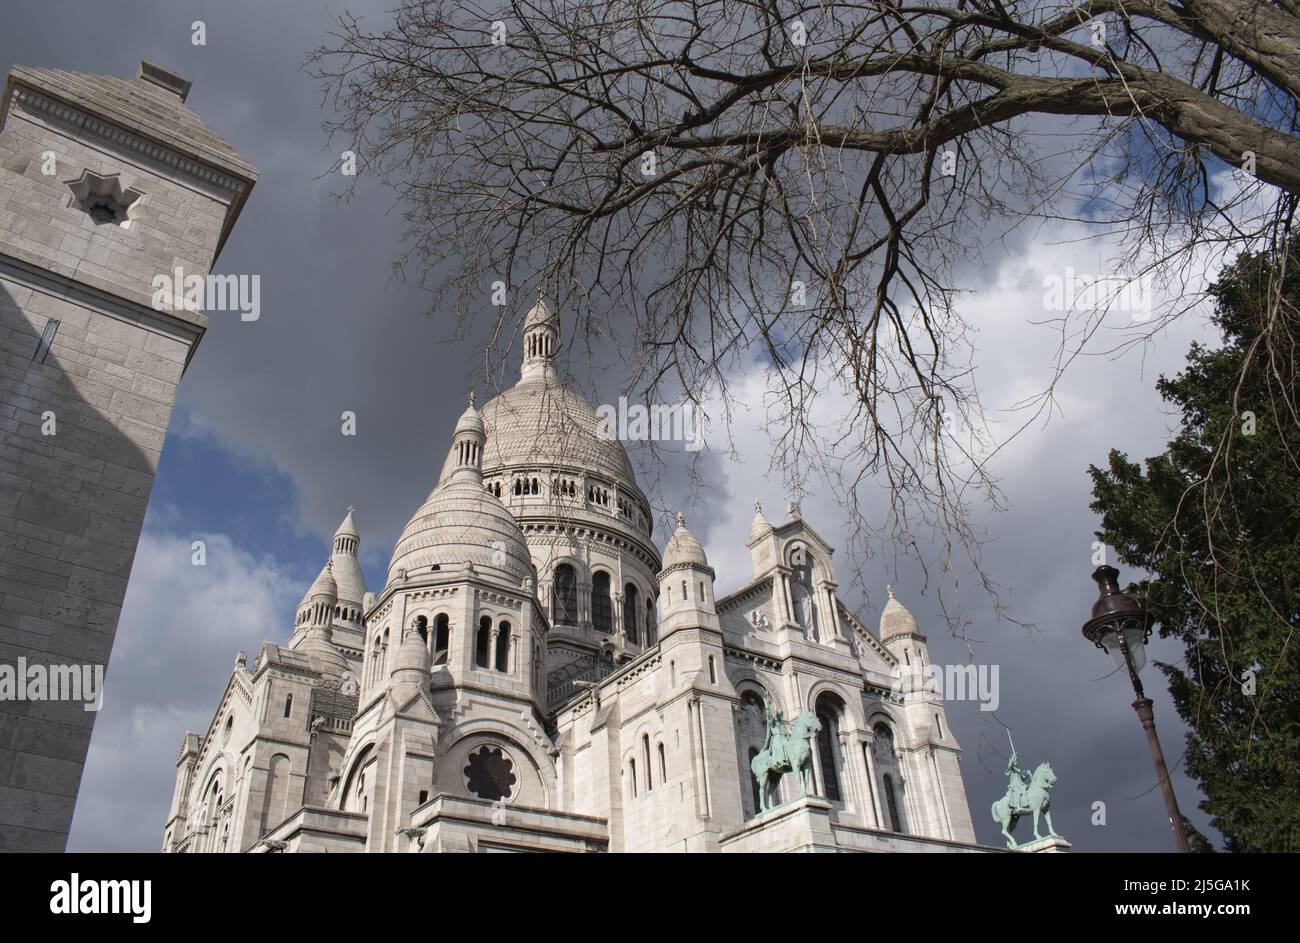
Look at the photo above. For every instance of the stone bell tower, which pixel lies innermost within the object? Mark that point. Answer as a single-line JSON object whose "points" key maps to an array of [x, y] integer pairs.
{"points": [[105, 183]]}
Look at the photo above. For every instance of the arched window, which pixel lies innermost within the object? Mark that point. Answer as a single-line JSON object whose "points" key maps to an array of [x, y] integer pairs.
{"points": [[441, 639], [885, 755], [564, 596], [891, 803], [422, 626], [631, 610], [645, 747], [751, 735], [631, 770], [829, 711], [663, 765], [481, 642], [602, 610], [503, 647], [288, 705], [651, 634], [356, 795], [275, 799]]}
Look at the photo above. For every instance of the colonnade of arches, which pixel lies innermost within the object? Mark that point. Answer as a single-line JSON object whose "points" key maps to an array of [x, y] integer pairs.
{"points": [[637, 617], [493, 646], [873, 781]]}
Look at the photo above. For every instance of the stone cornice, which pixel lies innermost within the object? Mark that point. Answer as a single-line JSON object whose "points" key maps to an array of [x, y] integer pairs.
{"points": [[204, 169]]}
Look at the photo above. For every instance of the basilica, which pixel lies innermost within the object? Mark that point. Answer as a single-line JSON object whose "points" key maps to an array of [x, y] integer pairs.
{"points": [[536, 675]]}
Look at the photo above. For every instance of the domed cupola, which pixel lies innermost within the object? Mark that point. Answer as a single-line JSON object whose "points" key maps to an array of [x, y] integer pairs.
{"points": [[685, 584], [461, 522], [346, 569], [315, 614], [411, 665], [467, 441], [317, 603], [541, 341], [895, 619], [900, 635], [684, 549]]}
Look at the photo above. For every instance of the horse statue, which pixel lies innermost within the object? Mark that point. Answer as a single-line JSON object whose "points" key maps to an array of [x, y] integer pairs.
{"points": [[784, 752], [1025, 798]]}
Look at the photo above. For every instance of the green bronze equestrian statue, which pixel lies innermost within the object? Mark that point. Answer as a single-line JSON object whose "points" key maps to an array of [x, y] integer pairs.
{"points": [[1025, 797], [784, 751]]}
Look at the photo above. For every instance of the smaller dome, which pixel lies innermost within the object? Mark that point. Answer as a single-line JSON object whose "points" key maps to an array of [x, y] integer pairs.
{"points": [[895, 619], [349, 527], [683, 548], [329, 660], [539, 315], [412, 655], [470, 421], [761, 526], [461, 523], [324, 585]]}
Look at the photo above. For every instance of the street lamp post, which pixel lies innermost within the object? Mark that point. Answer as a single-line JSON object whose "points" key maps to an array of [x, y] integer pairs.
{"points": [[1119, 627]]}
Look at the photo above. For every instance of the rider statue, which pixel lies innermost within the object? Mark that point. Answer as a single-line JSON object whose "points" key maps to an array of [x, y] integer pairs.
{"points": [[1019, 780], [776, 736], [1028, 793]]}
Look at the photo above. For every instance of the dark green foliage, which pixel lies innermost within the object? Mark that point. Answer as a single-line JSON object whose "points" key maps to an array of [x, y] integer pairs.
{"points": [[1215, 520]]}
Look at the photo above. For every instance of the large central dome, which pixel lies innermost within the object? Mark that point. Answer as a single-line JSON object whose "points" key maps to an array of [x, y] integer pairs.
{"points": [[542, 422]]}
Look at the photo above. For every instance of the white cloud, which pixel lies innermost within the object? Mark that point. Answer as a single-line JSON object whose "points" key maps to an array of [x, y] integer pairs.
{"points": [[181, 626]]}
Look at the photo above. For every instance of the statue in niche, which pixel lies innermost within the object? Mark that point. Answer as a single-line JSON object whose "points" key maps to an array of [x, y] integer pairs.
{"points": [[801, 587]]}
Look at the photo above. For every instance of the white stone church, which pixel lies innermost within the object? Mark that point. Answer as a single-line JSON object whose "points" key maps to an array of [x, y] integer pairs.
{"points": [[535, 675]]}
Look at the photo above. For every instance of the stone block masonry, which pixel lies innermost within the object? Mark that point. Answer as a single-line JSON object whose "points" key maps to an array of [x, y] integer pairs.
{"points": [[104, 183]]}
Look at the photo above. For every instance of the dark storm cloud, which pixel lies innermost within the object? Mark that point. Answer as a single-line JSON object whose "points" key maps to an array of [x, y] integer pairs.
{"points": [[337, 333]]}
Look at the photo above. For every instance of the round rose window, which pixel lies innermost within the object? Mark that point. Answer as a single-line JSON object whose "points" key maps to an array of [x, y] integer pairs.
{"points": [[489, 773]]}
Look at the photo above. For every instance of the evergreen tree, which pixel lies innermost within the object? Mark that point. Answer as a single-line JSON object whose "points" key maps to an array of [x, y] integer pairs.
{"points": [[1215, 521]]}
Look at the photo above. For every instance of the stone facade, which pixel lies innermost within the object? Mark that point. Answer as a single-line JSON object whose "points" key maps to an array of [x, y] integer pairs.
{"points": [[536, 675], [104, 184]]}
